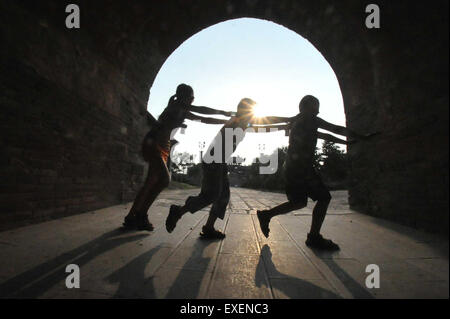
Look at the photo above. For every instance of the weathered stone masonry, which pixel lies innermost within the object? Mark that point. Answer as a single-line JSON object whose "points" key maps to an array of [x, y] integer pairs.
{"points": [[73, 102]]}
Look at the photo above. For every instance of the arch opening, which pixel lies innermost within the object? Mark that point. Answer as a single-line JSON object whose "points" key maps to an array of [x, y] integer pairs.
{"points": [[253, 58]]}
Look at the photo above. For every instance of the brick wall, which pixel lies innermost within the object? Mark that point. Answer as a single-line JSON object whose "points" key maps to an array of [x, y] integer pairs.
{"points": [[71, 123], [73, 102]]}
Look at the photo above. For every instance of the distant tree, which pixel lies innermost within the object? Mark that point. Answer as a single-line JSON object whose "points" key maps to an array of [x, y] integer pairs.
{"points": [[334, 163], [317, 160], [180, 161], [330, 162]]}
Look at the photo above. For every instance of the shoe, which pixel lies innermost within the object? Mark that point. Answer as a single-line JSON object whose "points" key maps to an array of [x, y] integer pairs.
{"points": [[263, 222], [129, 222], [144, 224], [172, 218], [211, 233], [318, 242]]}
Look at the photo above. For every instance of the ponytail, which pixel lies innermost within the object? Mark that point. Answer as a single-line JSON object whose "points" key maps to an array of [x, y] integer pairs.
{"points": [[183, 90]]}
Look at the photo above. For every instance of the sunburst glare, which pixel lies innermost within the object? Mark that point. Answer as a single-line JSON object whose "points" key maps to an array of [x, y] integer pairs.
{"points": [[259, 111]]}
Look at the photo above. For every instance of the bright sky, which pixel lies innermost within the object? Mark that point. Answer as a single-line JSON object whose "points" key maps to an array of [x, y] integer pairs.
{"points": [[251, 58]]}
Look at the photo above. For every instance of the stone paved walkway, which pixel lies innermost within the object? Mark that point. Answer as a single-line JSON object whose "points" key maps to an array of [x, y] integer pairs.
{"points": [[118, 264]]}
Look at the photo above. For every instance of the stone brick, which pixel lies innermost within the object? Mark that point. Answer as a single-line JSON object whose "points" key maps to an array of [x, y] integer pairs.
{"points": [[74, 101]]}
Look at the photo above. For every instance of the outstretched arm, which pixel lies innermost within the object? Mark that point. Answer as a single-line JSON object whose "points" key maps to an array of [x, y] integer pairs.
{"points": [[341, 130], [208, 110], [266, 128], [271, 120], [331, 138], [206, 120]]}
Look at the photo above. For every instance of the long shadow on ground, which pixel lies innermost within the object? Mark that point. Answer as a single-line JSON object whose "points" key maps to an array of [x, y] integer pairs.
{"points": [[36, 281], [290, 286]]}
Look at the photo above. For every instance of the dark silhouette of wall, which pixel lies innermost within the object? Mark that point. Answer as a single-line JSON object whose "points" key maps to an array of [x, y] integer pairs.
{"points": [[74, 100]]}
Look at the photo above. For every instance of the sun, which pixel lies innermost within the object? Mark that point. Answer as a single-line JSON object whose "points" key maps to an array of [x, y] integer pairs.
{"points": [[260, 110]]}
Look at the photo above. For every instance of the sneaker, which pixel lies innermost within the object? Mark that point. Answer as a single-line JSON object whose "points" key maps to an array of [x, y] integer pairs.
{"points": [[129, 222], [263, 222], [172, 218], [144, 224], [211, 233], [318, 242]]}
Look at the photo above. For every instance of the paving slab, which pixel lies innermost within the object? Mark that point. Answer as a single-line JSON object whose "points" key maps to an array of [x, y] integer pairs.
{"points": [[115, 263]]}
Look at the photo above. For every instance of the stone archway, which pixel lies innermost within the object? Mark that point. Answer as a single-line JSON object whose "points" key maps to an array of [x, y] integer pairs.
{"points": [[88, 89]]}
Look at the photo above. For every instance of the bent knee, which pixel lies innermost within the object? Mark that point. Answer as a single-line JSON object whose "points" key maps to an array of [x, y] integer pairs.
{"points": [[300, 204]]}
